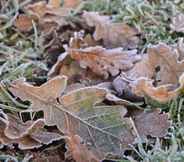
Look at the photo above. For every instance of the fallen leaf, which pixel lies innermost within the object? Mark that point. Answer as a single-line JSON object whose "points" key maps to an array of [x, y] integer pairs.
{"points": [[145, 87], [38, 9], [153, 123], [51, 154], [24, 23], [71, 3], [105, 62], [101, 126], [113, 34], [54, 3], [50, 15], [177, 23], [162, 94], [79, 151], [27, 135], [65, 65], [161, 64]]}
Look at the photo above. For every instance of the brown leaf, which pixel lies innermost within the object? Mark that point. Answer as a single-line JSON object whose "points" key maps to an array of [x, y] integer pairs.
{"points": [[177, 23], [113, 34], [27, 135], [153, 123], [71, 3], [76, 113], [57, 85], [65, 65], [52, 154], [49, 15], [39, 8], [54, 3], [161, 64], [163, 93], [79, 151], [24, 23], [105, 62]]}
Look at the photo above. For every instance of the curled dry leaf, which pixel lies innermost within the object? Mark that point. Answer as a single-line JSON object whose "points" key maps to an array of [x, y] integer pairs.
{"points": [[79, 151], [113, 34], [76, 113], [105, 62], [153, 123], [65, 65], [163, 93], [71, 3], [177, 23], [50, 15], [54, 3], [145, 87], [24, 23], [27, 135], [69, 67], [161, 64]]}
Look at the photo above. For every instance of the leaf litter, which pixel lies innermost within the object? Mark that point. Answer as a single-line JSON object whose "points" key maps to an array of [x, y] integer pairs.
{"points": [[93, 80]]}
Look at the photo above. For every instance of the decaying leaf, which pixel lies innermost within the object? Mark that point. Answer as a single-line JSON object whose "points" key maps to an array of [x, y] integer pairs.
{"points": [[113, 34], [24, 22], [153, 123], [76, 113], [27, 135], [79, 151], [71, 3], [69, 67], [50, 15], [161, 64], [105, 62], [65, 65], [177, 23], [54, 3], [163, 93]]}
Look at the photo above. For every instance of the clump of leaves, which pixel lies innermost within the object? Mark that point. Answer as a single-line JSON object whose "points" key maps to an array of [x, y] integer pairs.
{"points": [[150, 17]]}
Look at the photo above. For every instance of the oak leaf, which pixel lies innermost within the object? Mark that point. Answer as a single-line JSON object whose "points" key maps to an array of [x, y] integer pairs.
{"points": [[71, 3], [24, 22], [79, 151], [152, 123], [113, 34], [163, 93], [49, 15], [69, 67], [161, 64], [105, 62], [76, 113], [54, 3], [27, 135]]}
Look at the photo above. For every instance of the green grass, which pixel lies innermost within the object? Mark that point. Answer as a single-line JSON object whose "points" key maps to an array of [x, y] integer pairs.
{"points": [[22, 56]]}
